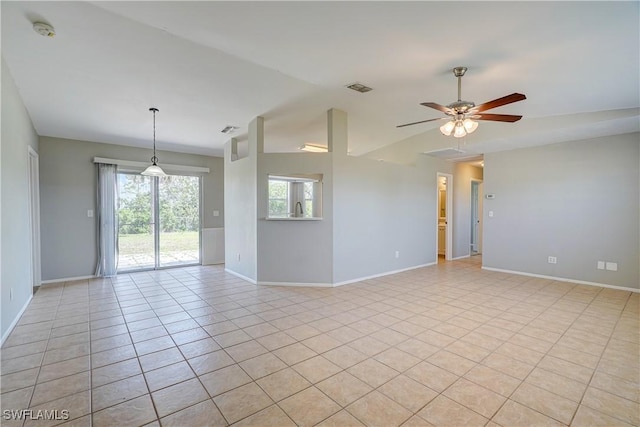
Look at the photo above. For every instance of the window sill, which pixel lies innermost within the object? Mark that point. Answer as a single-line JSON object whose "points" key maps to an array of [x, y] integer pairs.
{"points": [[293, 219]]}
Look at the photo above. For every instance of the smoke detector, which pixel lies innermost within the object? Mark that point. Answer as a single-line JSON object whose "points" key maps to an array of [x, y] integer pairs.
{"points": [[44, 29]]}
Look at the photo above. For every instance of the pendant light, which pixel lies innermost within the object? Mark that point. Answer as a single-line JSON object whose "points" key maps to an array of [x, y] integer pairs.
{"points": [[154, 169]]}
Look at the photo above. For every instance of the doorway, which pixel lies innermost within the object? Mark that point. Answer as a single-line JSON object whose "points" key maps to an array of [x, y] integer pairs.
{"points": [[34, 217], [159, 221], [476, 217], [444, 224]]}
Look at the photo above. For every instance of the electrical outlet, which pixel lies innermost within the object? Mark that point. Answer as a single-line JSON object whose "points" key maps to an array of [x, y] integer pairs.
{"points": [[490, 214], [600, 265], [216, 213], [553, 260], [397, 254], [612, 266]]}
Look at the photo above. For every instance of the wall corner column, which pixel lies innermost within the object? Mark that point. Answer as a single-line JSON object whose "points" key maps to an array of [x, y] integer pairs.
{"points": [[337, 132]]}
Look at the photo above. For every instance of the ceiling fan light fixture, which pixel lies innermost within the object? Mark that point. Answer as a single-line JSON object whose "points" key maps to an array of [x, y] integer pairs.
{"points": [[469, 125], [461, 125], [154, 169], [459, 131], [447, 128]]}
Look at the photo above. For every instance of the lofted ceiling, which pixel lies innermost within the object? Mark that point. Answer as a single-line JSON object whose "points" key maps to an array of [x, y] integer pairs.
{"points": [[208, 64]]}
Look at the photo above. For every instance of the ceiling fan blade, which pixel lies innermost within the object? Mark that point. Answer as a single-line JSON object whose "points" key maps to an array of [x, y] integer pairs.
{"points": [[438, 107], [514, 97], [415, 123], [497, 117]]}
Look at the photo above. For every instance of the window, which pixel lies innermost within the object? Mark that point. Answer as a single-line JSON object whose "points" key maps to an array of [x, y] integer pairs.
{"points": [[294, 196], [278, 198], [308, 199]]}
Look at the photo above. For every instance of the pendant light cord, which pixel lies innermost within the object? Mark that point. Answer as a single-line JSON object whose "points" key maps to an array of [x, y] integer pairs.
{"points": [[154, 159]]}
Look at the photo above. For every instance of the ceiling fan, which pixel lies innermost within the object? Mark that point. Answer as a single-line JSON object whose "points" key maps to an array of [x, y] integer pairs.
{"points": [[462, 114]]}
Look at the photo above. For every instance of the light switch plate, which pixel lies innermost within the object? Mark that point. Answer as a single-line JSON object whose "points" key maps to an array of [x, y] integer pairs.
{"points": [[600, 265], [216, 213], [612, 266], [90, 213]]}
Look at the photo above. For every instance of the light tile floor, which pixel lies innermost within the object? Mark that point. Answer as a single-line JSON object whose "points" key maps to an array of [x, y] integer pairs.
{"points": [[448, 345]]}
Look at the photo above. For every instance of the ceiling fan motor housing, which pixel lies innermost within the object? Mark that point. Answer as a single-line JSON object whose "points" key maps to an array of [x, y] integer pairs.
{"points": [[459, 71], [461, 107]]}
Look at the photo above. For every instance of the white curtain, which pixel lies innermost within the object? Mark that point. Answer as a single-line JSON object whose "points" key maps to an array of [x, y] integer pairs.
{"points": [[107, 216]]}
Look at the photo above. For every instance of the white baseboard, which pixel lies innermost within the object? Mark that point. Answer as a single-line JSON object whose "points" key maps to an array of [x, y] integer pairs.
{"points": [[240, 276], [562, 279], [15, 321], [346, 282], [329, 285], [386, 273], [300, 284], [67, 279], [461, 257]]}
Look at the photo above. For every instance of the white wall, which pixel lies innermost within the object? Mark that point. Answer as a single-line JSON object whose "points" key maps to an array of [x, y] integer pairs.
{"points": [[240, 192], [381, 208], [15, 255], [578, 201], [68, 190]]}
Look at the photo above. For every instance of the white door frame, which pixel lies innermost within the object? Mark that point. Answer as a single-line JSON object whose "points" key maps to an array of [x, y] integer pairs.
{"points": [[479, 224], [34, 218], [448, 249]]}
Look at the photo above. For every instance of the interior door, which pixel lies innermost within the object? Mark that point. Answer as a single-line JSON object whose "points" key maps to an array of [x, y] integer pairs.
{"points": [[476, 217]]}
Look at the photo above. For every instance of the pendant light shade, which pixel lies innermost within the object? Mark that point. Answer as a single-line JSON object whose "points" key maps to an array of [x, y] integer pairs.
{"points": [[154, 169]]}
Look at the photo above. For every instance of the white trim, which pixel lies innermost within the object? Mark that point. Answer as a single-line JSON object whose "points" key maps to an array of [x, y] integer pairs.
{"points": [[387, 273], [562, 279], [461, 257], [346, 282], [480, 183], [34, 217], [301, 284], [293, 218], [142, 165], [240, 276], [15, 321], [67, 279]]}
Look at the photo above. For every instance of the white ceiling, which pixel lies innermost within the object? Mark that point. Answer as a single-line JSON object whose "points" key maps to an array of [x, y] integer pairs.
{"points": [[207, 65]]}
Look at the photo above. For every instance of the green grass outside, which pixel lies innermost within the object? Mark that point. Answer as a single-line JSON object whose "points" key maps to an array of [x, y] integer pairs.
{"points": [[134, 244]]}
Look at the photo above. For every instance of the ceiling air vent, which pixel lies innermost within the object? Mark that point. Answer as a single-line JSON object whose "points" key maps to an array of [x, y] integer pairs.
{"points": [[454, 155], [359, 87], [229, 129]]}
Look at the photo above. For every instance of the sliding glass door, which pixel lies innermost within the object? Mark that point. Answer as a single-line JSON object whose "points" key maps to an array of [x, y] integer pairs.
{"points": [[159, 221], [179, 225]]}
